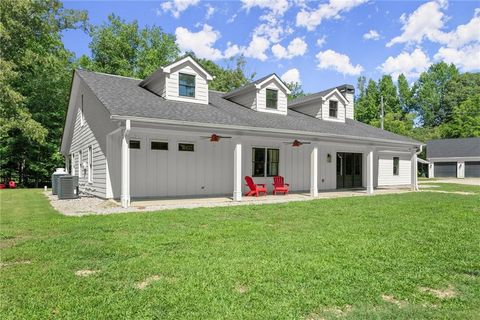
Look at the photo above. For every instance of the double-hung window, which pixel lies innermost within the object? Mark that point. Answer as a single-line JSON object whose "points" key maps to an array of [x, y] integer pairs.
{"points": [[272, 98], [186, 85], [396, 166], [333, 109], [265, 162]]}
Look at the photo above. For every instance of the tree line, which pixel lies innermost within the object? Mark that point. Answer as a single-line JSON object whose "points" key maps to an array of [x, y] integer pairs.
{"points": [[36, 72]]}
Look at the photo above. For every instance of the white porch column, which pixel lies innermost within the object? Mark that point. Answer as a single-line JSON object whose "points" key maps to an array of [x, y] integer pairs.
{"points": [[460, 169], [125, 191], [314, 172], [414, 166], [370, 171], [431, 167], [237, 172]]}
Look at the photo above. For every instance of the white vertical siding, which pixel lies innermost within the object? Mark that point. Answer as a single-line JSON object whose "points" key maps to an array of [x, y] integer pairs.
{"points": [[385, 169], [92, 133], [201, 84]]}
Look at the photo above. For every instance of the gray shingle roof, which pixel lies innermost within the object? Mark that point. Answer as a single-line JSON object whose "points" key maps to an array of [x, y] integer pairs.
{"points": [[461, 147], [124, 97], [317, 95]]}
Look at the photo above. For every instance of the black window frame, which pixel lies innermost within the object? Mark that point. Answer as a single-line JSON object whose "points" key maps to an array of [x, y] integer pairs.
{"points": [[180, 149], [267, 99], [269, 168], [396, 166], [188, 87], [133, 146], [335, 109], [163, 143]]}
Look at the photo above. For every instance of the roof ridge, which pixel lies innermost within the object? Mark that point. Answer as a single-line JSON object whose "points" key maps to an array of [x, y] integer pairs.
{"points": [[107, 74]]}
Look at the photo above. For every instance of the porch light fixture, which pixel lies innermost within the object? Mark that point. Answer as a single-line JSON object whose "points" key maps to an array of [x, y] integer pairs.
{"points": [[329, 157]]}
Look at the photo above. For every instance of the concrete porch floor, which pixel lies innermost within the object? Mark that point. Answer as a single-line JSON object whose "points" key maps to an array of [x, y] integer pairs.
{"points": [[175, 203]]}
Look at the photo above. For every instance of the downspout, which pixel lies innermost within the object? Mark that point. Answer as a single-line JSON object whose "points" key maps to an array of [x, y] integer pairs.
{"points": [[125, 167]]}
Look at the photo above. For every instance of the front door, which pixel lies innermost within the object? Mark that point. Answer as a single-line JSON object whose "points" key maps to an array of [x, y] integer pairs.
{"points": [[349, 170]]}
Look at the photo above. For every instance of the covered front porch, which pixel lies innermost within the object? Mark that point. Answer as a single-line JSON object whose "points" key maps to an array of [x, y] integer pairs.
{"points": [[152, 164]]}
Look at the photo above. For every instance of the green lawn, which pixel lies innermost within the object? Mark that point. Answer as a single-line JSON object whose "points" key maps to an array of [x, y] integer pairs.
{"points": [[305, 260]]}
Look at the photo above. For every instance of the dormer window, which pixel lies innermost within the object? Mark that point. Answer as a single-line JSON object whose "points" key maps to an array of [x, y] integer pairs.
{"points": [[333, 109], [186, 85], [272, 98]]}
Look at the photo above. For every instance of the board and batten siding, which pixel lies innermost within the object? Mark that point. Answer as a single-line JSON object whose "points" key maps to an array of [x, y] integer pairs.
{"points": [[201, 84], [93, 133], [385, 169], [262, 98]]}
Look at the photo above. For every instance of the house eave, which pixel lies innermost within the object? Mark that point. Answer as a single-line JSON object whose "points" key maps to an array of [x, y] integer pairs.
{"points": [[264, 130]]}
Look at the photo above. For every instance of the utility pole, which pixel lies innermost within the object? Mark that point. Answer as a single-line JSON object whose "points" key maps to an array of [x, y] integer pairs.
{"points": [[381, 112]]}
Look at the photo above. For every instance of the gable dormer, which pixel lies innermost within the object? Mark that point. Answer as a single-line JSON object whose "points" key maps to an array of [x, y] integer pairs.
{"points": [[268, 94], [334, 104], [183, 80]]}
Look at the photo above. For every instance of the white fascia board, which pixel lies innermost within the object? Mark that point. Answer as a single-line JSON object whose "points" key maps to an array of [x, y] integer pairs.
{"points": [[168, 68], [335, 90], [71, 113], [265, 130], [448, 159], [280, 82]]}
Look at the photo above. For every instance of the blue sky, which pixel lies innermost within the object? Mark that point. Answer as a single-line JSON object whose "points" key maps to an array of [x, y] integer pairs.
{"points": [[320, 43]]}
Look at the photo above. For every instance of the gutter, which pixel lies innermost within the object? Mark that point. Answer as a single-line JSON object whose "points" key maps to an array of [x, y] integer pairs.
{"points": [[258, 129]]}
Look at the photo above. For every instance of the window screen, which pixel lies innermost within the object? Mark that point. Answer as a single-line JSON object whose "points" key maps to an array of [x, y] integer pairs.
{"points": [[272, 97], [186, 147], [158, 145], [186, 85]]}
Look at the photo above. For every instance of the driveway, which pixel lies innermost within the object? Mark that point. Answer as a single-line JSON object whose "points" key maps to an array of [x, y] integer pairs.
{"points": [[468, 181]]}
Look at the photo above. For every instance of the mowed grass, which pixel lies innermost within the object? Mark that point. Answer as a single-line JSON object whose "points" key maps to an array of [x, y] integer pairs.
{"points": [[349, 258]]}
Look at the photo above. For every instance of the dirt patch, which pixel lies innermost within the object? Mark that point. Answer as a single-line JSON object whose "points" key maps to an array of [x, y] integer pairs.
{"points": [[85, 273], [145, 283], [241, 288], [446, 293], [330, 311], [14, 263], [393, 300]]}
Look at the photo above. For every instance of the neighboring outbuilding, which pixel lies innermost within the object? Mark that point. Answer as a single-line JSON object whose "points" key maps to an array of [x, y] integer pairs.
{"points": [[454, 158], [170, 136]]}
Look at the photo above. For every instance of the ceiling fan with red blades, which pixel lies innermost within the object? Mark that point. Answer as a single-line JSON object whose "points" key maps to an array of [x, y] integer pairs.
{"points": [[215, 137], [297, 143]]}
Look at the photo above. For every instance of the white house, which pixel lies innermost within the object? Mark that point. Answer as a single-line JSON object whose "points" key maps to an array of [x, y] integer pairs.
{"points": [[170, 136], [454, 158]]}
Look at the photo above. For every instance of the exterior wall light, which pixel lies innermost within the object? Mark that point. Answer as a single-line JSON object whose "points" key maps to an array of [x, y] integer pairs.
{"points": [[329, 157]]}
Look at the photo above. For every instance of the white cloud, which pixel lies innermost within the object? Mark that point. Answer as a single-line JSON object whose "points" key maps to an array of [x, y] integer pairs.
{"points": [[371, 35], [466, 58], [273, 32], [232, 50], [331, 10], [200, 42], [410, 64], [292, 75], [321, 41], [232, 18], [425, 22], [176, 7], [257, 47], [276, 7], [210, 11], [297, 47], [465, 33], [332, 60]]}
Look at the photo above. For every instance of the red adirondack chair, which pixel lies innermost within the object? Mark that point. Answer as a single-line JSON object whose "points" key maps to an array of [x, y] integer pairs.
{"points": [[279, 185], [255, 189], [12, 184]]}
